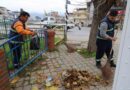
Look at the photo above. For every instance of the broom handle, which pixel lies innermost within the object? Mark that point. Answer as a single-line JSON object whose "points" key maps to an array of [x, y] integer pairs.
{"points": [[113, 42]]}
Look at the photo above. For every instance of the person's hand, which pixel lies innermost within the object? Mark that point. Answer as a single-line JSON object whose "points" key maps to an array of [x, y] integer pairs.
{"points": [[34, 33], [29, 29], [114, 38]]}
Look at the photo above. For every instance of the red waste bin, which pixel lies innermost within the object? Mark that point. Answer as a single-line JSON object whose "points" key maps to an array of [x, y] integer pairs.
{"points": [[51, 39]]}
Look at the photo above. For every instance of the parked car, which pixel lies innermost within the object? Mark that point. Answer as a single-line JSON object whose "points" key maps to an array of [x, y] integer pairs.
{"points": [[70, 24], [48, 20]]}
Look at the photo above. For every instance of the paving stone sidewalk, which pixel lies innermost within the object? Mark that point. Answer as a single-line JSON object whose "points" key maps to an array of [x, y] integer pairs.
{"points": [[56, 62]]}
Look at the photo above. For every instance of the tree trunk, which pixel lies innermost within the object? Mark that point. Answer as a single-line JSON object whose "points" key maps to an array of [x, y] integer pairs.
{"points": [[93, 33], [101, 8]]}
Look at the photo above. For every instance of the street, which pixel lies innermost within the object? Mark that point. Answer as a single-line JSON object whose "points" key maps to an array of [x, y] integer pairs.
{"points": [[78, 35]]}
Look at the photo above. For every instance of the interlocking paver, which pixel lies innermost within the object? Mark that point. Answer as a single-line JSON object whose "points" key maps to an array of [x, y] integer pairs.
{"points": [[93, 88], [109, 88], [21, 79], [19, 84], [26, 83], [27, 87], [27, 78], [19, 88]]}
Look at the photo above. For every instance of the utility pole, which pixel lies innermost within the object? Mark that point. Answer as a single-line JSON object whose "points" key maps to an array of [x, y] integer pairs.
{"points": [[89, 10], [66, 19]]}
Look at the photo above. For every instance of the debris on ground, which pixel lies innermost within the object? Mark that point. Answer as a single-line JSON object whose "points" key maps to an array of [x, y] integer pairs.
{"points": [[51, 88], [70, 79], [35, 88], [57, 81], [74, 78], [40, 78], [14, 81], [70, 47], [49, 81], [42, 63]]}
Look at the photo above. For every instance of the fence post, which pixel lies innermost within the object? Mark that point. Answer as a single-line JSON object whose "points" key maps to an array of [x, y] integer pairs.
{"points": [[4, 76], [51, 39], [5, 27]]}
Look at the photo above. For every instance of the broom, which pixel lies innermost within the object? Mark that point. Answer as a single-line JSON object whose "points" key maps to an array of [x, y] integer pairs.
{"points": [[106, 69]]}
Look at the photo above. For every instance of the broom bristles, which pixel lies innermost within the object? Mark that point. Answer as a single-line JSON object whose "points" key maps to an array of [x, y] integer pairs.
{"points": [[107, 71]]}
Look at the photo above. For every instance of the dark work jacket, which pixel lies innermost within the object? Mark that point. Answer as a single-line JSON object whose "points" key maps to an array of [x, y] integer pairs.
{"points": [[110, 29]]}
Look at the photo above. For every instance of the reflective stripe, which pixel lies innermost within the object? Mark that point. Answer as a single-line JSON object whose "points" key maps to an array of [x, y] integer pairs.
{"points": [[107, 30], [110, 30], [98, 60], [112, 59], [100, 38]]}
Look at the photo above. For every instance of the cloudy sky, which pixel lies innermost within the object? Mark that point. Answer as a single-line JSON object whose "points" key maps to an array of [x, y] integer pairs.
{"points": [[40, 6]]}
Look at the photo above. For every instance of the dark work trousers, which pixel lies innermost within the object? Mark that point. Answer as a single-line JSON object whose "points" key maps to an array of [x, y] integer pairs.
{"points": [[16, 50], [104, 46]]}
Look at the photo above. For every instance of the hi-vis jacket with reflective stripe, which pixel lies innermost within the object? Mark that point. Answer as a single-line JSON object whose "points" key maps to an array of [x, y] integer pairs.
{"points": [[18, 28]]}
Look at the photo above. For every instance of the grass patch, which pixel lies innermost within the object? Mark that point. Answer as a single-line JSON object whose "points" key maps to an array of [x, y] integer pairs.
{"points": [[57, 40], [86, 54]]}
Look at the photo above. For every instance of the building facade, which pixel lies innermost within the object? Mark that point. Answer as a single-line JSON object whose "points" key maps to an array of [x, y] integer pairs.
{"points": [[79, 15]]}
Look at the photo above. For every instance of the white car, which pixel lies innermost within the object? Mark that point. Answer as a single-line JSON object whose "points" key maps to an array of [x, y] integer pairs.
{"points": [[48, 20], [70, 25]]}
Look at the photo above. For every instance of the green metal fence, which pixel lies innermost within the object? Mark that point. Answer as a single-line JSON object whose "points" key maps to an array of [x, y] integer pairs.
{"points": [[27, 55]]}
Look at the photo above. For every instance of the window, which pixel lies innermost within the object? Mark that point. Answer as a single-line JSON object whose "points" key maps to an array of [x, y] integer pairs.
{"points": [[51, 18], [44, 19]]}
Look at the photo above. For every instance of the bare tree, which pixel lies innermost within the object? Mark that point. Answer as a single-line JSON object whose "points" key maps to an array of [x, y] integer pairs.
{"points": [[101, 8]]}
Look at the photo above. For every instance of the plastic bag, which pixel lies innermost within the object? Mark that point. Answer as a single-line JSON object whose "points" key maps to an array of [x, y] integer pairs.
{"points": [[35, 43]]}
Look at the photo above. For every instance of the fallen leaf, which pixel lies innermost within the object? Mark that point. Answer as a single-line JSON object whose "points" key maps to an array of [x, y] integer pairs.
{"points": [[98, 78], [78, 50], [15, 80], [35, 88], [43, 63], [51, 88], [48, 84]]}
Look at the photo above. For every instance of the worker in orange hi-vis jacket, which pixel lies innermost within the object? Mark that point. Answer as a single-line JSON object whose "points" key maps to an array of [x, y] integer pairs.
{"points": [[18, 29]]}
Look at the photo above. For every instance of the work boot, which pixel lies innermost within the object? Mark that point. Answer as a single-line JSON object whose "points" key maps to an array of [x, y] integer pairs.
{"points": [[112, 64], [16, 66], [98, 64]]}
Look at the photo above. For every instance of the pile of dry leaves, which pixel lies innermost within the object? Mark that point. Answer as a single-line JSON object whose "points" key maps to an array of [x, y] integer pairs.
{"points": [[74, 78]]}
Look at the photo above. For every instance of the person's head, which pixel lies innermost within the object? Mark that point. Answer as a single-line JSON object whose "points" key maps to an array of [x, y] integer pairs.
{"points": [[24, 16], [112, 15]]}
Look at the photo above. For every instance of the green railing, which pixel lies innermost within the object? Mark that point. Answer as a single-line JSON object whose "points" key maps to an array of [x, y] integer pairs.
{"points": [[20, 50]]}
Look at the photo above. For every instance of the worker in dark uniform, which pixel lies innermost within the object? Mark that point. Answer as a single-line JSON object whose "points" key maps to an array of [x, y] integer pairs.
{"points": [[105, 37], [18, 29]]}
